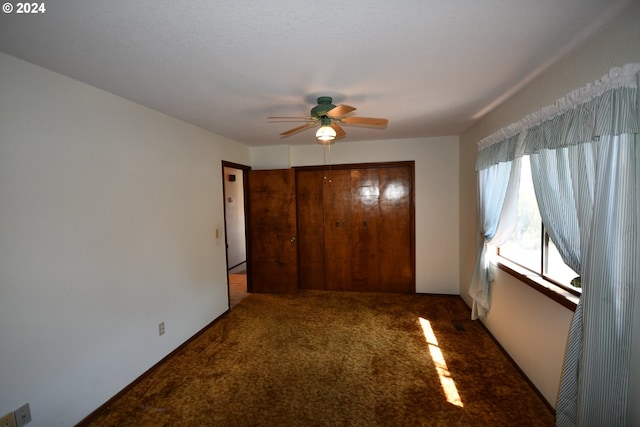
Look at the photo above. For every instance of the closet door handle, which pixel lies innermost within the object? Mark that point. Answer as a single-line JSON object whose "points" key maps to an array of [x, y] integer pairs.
{"points": [[366, 225], [337, 224], [292, 239]]}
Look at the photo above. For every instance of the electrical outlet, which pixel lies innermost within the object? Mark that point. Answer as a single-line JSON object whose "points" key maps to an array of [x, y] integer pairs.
{"points": [[161, 328], [8, 420], [22, 415]]}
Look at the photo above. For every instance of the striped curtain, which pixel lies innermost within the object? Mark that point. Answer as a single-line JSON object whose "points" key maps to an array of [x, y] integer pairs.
{"points": [[587, 196], [586, 174], [564, 180], [498, 189]]}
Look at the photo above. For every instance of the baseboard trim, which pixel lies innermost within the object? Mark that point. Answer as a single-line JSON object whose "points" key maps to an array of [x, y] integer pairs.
{"points": [[237, 265], [86, 421]]}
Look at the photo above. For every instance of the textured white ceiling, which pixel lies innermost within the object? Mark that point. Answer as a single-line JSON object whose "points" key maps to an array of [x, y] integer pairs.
{"points": [[431, 67]]}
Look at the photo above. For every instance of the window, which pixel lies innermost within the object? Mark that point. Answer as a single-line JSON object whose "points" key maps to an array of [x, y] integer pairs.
{"points": [[530, 246]]}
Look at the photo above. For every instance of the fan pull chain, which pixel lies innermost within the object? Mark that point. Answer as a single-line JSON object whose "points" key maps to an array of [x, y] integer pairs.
{"points": [[326, 150]]}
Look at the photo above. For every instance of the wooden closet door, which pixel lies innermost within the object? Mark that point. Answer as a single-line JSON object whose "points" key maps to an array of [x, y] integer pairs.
{"points": [[356, 228], [311, 247], [395, 231], [365, 221], [273, 261], [337, 226]]}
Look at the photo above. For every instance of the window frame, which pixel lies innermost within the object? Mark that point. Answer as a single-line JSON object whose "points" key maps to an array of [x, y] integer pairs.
{"points": [[544, 260], [563, 293], [545, 264], [548, 288]]}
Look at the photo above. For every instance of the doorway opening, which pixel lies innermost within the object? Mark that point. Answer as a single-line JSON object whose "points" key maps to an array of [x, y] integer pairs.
{"points": [[234, 186]]}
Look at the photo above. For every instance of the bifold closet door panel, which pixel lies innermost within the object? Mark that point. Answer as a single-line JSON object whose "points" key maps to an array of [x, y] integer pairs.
{"points": [[337, 230], [365, 219], [310, 209], [395, 229]]}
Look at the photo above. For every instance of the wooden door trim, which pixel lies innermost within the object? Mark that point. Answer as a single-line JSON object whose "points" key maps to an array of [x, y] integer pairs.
{"points": [[245, 175], [407, 163]]}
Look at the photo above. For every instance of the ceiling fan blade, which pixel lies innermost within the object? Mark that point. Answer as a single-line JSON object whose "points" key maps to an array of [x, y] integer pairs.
{"points": [[340, 110], [364, 121], [291, 119], [296, 130], [340, 133]]}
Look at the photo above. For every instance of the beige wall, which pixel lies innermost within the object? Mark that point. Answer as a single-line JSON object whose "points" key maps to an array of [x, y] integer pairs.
{"points": [[107, 221], [436, 195], [532, 328]]}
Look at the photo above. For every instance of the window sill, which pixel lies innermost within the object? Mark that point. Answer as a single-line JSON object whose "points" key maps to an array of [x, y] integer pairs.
{"points": [[551, 290]]}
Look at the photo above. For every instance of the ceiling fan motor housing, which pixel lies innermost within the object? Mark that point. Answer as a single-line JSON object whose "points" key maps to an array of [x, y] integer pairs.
{"points": [[323, 107]]}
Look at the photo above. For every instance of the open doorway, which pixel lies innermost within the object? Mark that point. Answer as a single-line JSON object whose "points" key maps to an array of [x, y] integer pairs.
{"points": [[234, 182]]}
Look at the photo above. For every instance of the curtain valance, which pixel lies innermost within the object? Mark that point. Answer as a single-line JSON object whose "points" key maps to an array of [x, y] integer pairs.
{"points": [[608, 106]]}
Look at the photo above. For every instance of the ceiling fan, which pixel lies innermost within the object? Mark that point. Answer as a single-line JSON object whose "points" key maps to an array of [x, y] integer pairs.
{"points": [[329, 117]]}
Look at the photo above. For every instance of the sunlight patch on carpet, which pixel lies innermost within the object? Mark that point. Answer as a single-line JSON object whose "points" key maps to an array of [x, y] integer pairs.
{"points": [[447, 383]]}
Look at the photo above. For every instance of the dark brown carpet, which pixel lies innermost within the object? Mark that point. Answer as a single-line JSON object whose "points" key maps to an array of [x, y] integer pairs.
{"points": [[335, 359]]}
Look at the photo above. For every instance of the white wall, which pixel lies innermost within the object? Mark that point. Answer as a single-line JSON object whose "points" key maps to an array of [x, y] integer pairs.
{"points": [[271, 157], [535, 339], [436, 195], [234, 214], [108, 213], [533, 328]]}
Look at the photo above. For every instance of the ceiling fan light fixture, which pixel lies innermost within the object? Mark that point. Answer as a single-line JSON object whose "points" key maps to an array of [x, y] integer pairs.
{"points": [[325, 133]]}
